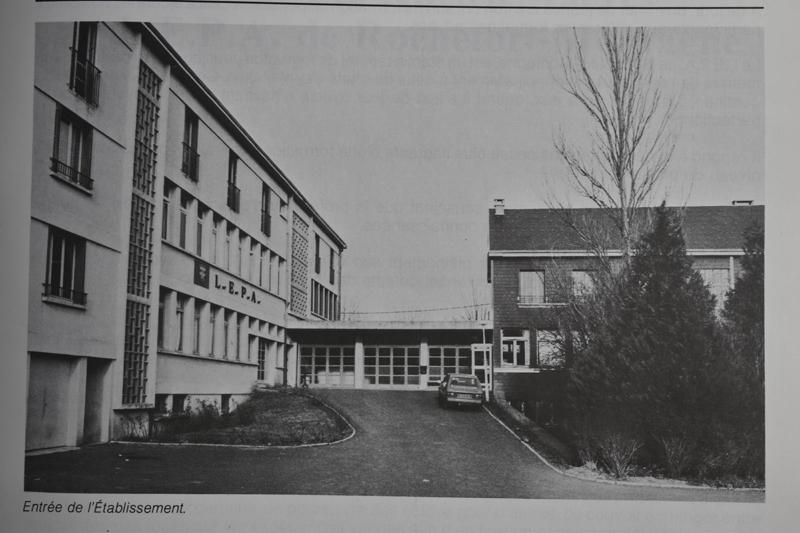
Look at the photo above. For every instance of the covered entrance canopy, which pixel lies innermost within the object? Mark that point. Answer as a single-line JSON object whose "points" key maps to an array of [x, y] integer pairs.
{"points": [[389, 355]]}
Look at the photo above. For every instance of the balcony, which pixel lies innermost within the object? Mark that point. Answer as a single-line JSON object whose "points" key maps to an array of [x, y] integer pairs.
{"points": [[233, 196], [84, 78], [64, 293], [71, 174], [190, 162]]}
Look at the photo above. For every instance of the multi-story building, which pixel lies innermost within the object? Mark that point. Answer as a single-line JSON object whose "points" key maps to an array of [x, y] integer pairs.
{"points": [[167, 249], [537, 261]]}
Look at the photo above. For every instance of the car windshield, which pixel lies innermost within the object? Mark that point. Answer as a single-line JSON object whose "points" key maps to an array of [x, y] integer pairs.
{"points": [[465, 381]]}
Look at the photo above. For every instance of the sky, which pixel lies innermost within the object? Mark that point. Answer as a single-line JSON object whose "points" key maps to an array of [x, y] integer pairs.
{"points": [[402, 137]]}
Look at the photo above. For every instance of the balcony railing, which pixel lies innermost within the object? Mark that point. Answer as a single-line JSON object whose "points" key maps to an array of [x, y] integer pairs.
{"points": [[71, 174], [233, 196], [540, 299], [65, 293], [84, 78], [190, 163]]}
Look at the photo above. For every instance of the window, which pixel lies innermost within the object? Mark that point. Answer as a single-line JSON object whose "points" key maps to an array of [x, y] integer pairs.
{"points": [[199, 236], [182, 221], [214, 233], [240, 258], [238, 337], [66, 260], [531, 287], [262, 359], [198, 307], [212, 319], [226, 333], [179, 310], [165, 220], [228, 247], [331, 270], [717, 281], [284, 209], [72, 150], [162, 302], [317, 259], [191, 159], [266, 216], [582, 283], [261, 255], [84, 76], [233, 190], [515, 347], [548, 349]]}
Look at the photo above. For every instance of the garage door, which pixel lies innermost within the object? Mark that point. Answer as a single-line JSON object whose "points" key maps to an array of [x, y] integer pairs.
{"points": [[332, 366], [49, 414]]}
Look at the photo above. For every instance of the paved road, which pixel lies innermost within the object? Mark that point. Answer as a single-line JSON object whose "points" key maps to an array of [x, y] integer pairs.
{"points": [[405, 446]]}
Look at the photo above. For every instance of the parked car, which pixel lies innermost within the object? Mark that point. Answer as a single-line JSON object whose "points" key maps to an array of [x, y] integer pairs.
{"points": [[460, 389]]}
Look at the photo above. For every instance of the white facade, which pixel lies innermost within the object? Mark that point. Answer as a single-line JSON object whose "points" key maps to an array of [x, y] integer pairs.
{"points": [[160, 241]]}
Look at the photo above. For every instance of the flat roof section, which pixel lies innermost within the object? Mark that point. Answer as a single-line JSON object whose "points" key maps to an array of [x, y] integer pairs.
{"points": [[387, 325]]}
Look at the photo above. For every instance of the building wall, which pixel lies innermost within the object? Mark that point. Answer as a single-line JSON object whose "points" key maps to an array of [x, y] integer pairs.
{"points": [[543, 387], [79, 362], [72, 346]]}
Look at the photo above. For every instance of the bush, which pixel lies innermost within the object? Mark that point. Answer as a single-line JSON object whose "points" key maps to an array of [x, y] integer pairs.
{"points": [[617, 453]]}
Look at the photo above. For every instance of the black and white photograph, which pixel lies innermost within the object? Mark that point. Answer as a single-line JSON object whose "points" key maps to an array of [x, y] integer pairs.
{"points": [[305, 265]]}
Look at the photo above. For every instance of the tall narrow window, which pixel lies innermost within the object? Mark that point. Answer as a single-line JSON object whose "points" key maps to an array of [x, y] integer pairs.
{"points": [[317, 258], [214, 233], [226, 333], [331, 270], [165, 220], [233, 190], [261, 254], [162, 299], [240, 259], [191, 159], [238, 337], [179, 310], [84, 76], [582, 283], [198, 307], [182, 221], [199, 236], [227, 251], [72, 149], [531, 287], [266, 216], [262, 359], [66, 260], [212, 323]]}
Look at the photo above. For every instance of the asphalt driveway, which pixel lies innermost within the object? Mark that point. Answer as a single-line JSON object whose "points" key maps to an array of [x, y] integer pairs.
{"points": [[405, 445]]}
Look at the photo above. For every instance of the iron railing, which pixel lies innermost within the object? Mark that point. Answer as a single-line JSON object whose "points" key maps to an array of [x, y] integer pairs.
{"points": [[77, 297], [84, 78], [71, 174], [190, 163]]}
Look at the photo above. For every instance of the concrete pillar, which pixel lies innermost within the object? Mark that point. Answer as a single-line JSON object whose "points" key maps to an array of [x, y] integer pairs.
{"points": [[359, 361], [271, 362], [291, 364], [424, 359], [77, 402]]}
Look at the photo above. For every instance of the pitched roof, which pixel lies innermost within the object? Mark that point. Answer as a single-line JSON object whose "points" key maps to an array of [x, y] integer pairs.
{"points": [[704, 227]]}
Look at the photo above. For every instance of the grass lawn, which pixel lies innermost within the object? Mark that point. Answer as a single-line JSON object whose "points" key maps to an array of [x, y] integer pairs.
{"points": [[280, 417]]}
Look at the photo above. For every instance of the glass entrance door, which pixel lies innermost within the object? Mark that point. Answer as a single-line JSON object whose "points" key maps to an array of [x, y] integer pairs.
{"points": [[481, 366]]}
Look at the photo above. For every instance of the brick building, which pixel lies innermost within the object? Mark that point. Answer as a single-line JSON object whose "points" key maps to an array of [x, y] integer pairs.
{"points": [[536, 262]]}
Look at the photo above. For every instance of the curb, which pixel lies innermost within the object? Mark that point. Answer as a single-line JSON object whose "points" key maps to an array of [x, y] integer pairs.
{"points": [[616, 482], [259, 446]]}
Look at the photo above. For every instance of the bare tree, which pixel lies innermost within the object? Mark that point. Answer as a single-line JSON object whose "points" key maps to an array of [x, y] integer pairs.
{"points": [[478, 308], [631, 142]]}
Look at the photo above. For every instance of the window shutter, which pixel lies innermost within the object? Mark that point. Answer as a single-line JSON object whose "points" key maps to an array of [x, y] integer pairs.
{"points": [[86, 163], [80, 266]]}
